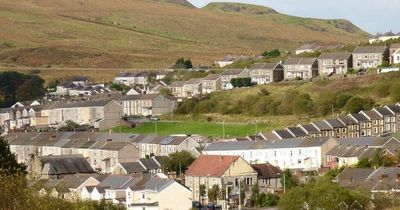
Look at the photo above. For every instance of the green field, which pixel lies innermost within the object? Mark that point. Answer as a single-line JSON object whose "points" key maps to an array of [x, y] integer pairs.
{"points": [[200, 128]]}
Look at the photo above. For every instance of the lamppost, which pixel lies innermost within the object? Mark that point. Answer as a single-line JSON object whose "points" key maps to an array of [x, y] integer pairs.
{"points": [[240, 192]]}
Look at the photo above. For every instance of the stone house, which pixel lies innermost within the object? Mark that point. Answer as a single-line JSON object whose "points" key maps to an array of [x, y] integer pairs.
{"points": [[370, 56], [264, 73], [304, 68], [336, 63]]}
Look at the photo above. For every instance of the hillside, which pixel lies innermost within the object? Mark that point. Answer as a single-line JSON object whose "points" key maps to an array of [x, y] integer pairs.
{"points": [[150, 33]]}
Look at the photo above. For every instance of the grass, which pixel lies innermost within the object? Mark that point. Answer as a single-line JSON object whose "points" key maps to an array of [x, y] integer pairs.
{"points": [[124, 34], [213, 130]]}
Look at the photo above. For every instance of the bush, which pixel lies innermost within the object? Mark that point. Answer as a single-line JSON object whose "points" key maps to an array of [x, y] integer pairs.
{"points": [[382, 89], [356, 104], [241, 82], [272, 54], [395, 92], [342, 100]]}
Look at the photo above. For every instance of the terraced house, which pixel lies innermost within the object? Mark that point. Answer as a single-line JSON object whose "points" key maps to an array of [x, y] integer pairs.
{"points": [[229, 74], [147, 105], [211, 83], [264, 73], [336, 63], [370, 56], [303, 68]]}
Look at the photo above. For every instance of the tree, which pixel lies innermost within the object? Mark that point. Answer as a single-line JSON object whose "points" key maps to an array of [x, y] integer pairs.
{"points": [[32, 88], [182, 63], [364, 163], [202, 191], [288, 180], [269, 199], [302, 104], [356, 104], [381, 159], [8, 163], [322, 194], [9, 83], [214, 193], [179, 161], [272, 54], [166, 92], [342, 100], [255, 196]]}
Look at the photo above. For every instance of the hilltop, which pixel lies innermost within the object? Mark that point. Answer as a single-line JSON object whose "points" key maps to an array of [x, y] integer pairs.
{"points": [[150, 33]]}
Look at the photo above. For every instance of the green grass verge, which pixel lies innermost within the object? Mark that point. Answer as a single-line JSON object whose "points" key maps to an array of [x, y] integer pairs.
{"points": [[200, 128]]}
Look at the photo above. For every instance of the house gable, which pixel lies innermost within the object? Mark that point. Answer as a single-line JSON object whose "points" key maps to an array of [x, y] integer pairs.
{"points": [[239, 167]]}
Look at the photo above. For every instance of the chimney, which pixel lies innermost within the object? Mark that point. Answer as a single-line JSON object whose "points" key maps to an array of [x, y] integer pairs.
{"points": [[220, 158]]}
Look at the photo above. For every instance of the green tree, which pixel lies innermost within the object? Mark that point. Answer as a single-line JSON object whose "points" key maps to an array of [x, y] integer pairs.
{"points": [[8, 163], [322, 194], [182, 63], [32, 88], [9, 83], [202, 191], [288, 180], [356, 104], [255, 196], [302, 104], [214, 193], [166, 92], [272, 54], [380, 158], [364, 163], [179, 161], [269, 199]]}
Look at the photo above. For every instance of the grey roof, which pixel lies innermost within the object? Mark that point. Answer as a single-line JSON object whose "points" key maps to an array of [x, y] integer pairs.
{"points": [[364, 141], [383, 111], [266, 66], [133, 167], [309, 128], [371, 115], [228, 145], [293, 143], [193, 81], [336, 56], [335, 123], [76, 180], [149, 164], [347, 120], [322, 126], [134, 74], [90, 103], [349, 174], [394, 108], [296, 131], [66, 164], [308, 47], [359, 117], [212, 77], [114, 181], [177, 84], [300, 61], [370, 49], [283, 134]]}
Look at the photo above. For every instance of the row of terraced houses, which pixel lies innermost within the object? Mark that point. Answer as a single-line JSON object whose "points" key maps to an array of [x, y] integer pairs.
{"points": [[375, 122]]}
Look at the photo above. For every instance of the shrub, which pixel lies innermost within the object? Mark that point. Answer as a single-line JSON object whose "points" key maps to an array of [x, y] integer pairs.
{"points": [[241, 82], [395, 92], [342, 100], [356, 104], [272, 54]]}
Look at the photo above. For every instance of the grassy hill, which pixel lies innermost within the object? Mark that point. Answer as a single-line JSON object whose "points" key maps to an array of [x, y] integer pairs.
{"points": [[150, 33]]}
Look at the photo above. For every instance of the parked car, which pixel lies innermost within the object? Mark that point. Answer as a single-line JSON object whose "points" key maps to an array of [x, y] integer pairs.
{"points": [[154, 118]]}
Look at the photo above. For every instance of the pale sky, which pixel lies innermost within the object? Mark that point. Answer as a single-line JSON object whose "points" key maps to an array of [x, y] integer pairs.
{"points": [[370, 15]]}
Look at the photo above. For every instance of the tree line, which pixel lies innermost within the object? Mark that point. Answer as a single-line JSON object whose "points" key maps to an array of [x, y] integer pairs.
{"points": [[15, 86]]}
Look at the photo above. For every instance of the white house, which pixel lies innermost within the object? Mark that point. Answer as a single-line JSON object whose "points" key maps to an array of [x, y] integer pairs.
{"points": [[384, 37], [299, 154], [396, 57]]}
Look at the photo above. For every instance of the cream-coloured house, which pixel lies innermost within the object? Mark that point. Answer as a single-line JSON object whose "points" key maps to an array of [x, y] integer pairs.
{"points": [[157, 193], [211, 83], [221, 170], [147, 105]]}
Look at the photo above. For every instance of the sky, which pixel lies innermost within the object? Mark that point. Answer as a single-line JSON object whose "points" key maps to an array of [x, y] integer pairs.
{"points": [[370, 15]]}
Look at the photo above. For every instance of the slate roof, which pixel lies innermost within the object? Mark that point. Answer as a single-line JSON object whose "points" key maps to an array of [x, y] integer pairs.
{"points": [[296, 131], [383, 111], [193, 81], [67, 164], [371, 115], [394, 108], [309, 128], [300, 61], [202, 166], [359, 117], [336, 56], [212, 77], [269, 136], [266, 66], [149, 164], [283, 134], [335, 123], [347, 120], [370, 49], [228, 145], [76, 180], [322, 126], [133, 167], [267, 171], [294, 143], [352, 177], [113, 181], [364, 141]]}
